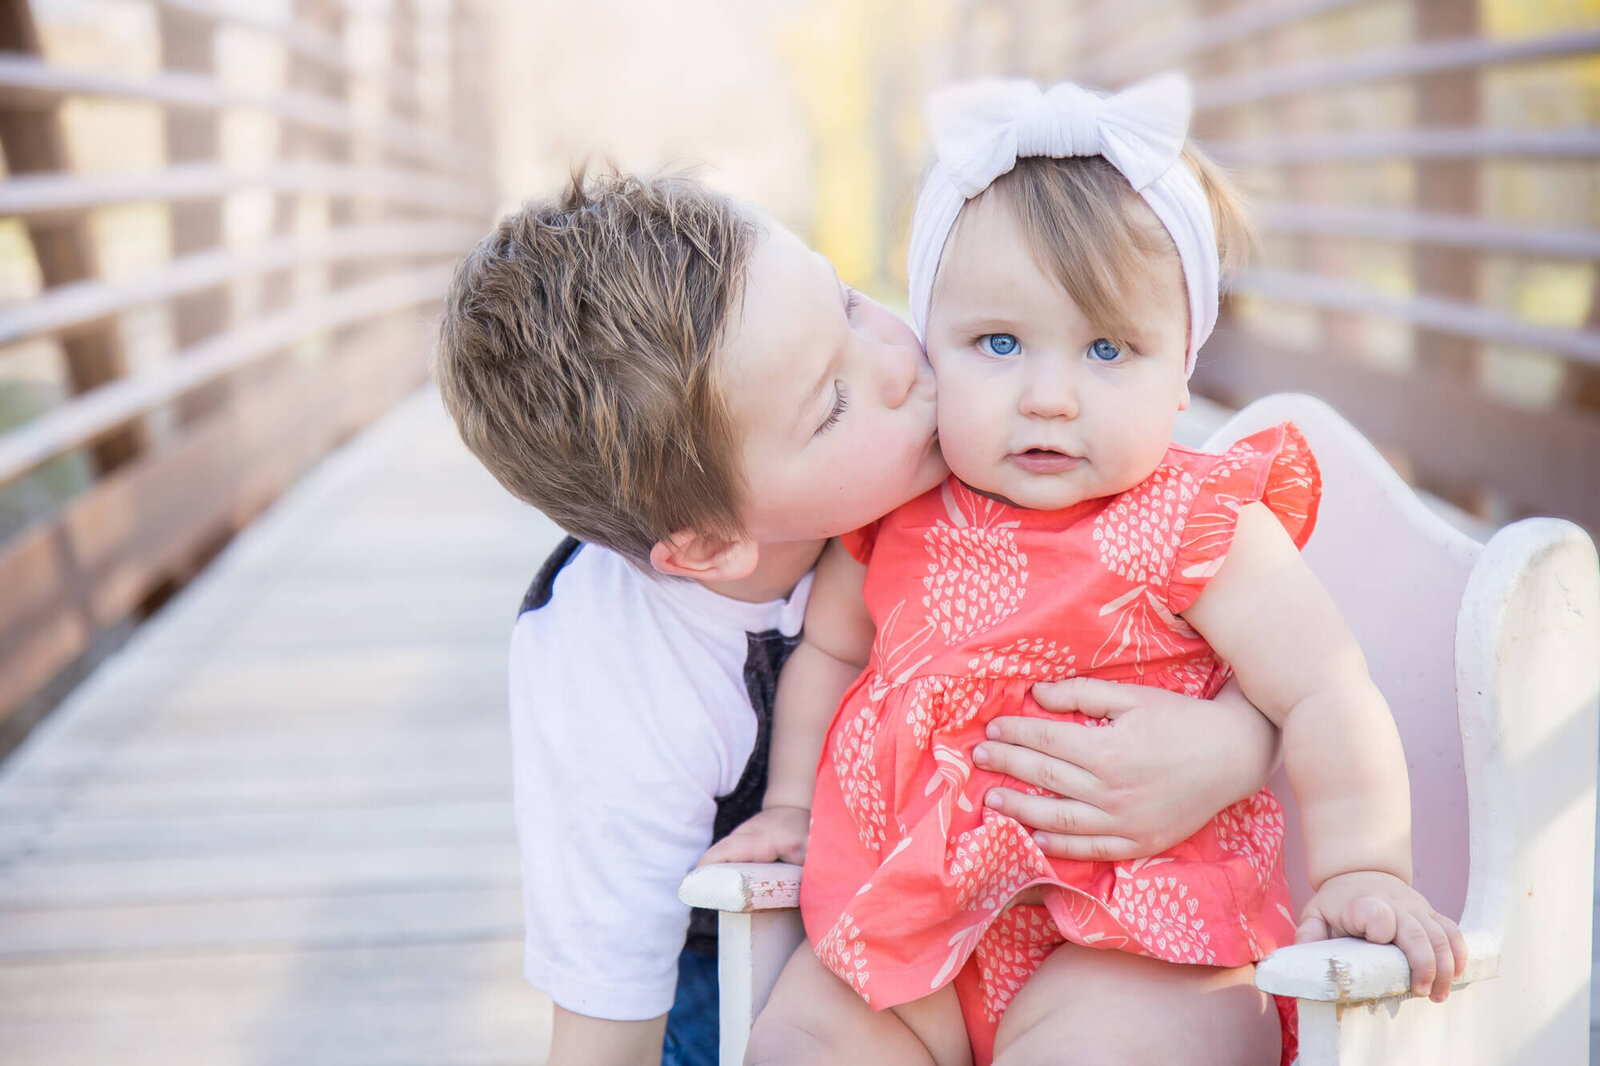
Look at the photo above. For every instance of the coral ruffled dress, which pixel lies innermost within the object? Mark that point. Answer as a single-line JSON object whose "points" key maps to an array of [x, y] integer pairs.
{"points": [[908, 874]]}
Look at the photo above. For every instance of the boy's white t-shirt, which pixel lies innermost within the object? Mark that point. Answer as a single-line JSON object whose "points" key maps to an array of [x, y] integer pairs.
{"points": [[630, 715]]}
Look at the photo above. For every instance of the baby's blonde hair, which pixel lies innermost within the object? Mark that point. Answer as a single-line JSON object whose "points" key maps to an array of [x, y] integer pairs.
{"points": [[1065, 206]]}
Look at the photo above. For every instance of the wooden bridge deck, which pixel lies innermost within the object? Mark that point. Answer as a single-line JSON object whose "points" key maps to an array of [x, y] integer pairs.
{"points": [[275, 829]]}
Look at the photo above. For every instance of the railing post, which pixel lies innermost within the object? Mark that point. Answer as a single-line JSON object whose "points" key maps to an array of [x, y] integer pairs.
{"points": [[188, 44], [32, 140], [1449, 99]]}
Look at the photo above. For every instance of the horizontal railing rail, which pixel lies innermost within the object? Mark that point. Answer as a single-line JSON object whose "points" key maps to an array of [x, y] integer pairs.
{"points": [[260, 346], [80, 303], [33, 82], [37, 196]]}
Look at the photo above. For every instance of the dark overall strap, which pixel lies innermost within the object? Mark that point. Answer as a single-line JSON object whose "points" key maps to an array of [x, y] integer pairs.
{"points": [[765, 655]]}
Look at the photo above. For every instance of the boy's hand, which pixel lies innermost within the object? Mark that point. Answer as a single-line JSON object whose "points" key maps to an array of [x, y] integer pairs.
{"points": [[776, 834], [1385, 910], [1163, 766]]}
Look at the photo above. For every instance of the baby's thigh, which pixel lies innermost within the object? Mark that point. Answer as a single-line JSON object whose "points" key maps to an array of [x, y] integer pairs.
{"points": [[815, 1019], [1086, 1007]]}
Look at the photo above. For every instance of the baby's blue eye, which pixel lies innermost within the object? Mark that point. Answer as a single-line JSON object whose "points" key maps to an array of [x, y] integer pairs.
{"points": [[998, 344], [1104, 351]]}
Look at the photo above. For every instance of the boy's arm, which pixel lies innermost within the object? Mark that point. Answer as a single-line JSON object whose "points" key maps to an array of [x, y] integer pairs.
{"points": [[579, 1040], [1271, 619], [833, 649]]}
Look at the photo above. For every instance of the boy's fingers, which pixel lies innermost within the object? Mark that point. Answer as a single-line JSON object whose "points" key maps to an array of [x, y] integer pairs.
{"points": [[1050, 813], [1087, 849], [1088, 695], [1036, 768]]}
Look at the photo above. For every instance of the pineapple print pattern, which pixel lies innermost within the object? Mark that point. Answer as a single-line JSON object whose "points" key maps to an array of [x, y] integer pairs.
{"points": [[1016, 945], [993, 862], [862, 789], [976, 574], [844, 952], [1162, 913], [1253, 830], [1137, 535]]}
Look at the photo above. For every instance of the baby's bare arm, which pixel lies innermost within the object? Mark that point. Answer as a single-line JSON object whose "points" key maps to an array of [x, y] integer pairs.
{"points": [[833, 649], [1267, 615]]}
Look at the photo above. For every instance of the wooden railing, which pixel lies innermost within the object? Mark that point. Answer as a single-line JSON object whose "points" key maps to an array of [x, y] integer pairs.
{"points": [[1415, 179], [275, 349]]}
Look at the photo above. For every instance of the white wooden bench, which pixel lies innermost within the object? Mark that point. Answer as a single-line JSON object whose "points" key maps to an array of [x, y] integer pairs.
{"points": [[1489, 655]]}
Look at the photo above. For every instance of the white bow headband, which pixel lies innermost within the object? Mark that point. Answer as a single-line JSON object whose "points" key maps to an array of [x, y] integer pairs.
{"points": [[980, 129]]}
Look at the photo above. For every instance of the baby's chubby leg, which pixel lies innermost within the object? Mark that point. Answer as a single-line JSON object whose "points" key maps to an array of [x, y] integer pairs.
{"points": [[1087, 1007], [815, 1019]]}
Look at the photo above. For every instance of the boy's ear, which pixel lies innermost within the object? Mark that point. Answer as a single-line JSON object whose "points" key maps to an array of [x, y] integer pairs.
{"points": [[692, 555]]}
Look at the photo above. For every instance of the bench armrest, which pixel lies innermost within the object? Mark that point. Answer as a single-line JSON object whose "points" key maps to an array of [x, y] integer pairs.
{"points": [[1348, 970], [742, 887]]}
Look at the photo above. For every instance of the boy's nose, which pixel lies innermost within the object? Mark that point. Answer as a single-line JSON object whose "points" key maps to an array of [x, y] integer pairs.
{"points": [[1048, 390], [901, 368]]}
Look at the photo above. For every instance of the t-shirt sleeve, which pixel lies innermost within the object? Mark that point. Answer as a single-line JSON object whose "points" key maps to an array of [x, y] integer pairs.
{"points": [[612, 810], [859, 542], [1274, 467]]}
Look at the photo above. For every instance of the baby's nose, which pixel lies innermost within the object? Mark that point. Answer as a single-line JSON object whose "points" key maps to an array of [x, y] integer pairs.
{"points": [[1049, 391]]}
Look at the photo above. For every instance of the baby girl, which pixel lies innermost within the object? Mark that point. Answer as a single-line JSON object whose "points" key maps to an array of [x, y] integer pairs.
{"points": [[1065, 264]]}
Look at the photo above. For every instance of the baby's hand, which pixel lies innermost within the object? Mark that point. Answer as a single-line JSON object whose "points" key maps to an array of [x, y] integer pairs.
{"points": [[776, 834], [1385, 910]]}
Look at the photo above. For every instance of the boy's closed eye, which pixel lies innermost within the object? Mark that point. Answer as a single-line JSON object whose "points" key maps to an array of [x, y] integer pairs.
{"points": [[841, 401]]}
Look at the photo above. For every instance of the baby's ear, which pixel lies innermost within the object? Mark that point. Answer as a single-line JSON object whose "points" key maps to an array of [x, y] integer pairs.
{"points": [[693, 555], [1183, 396]]}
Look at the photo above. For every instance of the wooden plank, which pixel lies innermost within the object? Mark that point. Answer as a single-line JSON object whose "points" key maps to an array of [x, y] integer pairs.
{"points": [[1456, 317], [301, 922], [1437, 228], [48, 792], [1466, 52], [121, 536], [50, 195], [33, 83], [1578, 143], [1542, 460], [32, 141], [43, 881], [268, 832], [452, 1004], [51, 434], [75, 305], [1106, 63], [187, 46]]}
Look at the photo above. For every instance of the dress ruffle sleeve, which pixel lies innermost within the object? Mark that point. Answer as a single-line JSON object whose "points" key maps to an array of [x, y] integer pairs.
{"points": [[859, 542], [1274, 467]]}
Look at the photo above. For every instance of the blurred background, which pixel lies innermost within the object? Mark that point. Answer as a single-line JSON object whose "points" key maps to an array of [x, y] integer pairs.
{"points": [[224, 229]]}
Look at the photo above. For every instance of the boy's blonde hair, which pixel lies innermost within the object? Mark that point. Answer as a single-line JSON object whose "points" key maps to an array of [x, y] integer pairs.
{"points": [[1065, 206], [577, 357]]}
